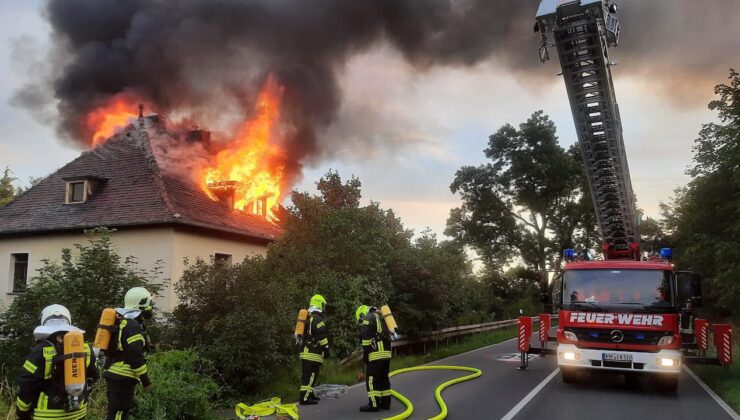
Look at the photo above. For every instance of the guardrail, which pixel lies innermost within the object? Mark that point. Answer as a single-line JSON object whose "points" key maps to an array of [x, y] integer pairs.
{"points": [[443, 334]]}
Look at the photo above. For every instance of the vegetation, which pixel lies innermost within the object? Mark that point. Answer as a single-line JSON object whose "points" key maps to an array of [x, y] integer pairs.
{"points": [[527, 204], [8, 190]]}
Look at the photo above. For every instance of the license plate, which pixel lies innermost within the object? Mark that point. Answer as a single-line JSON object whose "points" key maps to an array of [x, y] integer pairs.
{"points": [[616, 357]]}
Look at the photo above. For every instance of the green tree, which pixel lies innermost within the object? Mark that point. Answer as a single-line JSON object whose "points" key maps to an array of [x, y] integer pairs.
{"points": [[8, 190], [527, 203], [704, 217]]}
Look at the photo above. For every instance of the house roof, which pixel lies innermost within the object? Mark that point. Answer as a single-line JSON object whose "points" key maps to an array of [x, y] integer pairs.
{"points": [[134, 191]]}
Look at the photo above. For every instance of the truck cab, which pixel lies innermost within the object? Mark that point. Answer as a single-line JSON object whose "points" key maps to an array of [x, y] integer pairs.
{"points": [[622, 316]]}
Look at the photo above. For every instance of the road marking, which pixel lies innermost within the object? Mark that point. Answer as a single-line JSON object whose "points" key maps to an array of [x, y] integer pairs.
{"points": [[712, 394], [517, 408]]}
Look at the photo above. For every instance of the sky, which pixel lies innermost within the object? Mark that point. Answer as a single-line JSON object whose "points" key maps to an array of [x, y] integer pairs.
{"points": [[436, 120]]}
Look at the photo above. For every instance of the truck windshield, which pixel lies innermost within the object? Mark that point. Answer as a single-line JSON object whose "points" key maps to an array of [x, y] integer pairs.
{"points": [[648, 288]]}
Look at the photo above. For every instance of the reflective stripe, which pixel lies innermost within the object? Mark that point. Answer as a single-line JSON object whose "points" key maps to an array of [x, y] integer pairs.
{"points": [[379, 355], [309, 387], [60, 414], [320, 324], [30, 367], [313, 357], [22, 405], [87, 355], [135, 338], [378, 327], [371, 392], [124, 369], [380, 346], [367, 342], [386, 393], [365, 322], [49, 353], [324, 341], [120, 333], [140, 370], [42, 402], [119, 415]]}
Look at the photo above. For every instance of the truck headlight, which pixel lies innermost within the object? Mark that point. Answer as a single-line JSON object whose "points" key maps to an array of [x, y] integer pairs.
{"points": [[664, 341], [570, 336], [569, 355], [665, 362]]}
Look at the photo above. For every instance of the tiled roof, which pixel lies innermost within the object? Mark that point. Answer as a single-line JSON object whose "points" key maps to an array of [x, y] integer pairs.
{"points": [[135, 192]]}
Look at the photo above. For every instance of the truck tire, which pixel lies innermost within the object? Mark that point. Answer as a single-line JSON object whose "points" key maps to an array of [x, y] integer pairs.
{"points": [[667, 383], [569, 374]]}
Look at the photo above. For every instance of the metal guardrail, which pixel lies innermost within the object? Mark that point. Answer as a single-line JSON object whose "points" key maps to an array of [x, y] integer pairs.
{"points": [[443, 334]]}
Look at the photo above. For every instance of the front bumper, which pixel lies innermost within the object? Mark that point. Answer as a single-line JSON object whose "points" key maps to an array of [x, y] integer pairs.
{"points": [[641, 361]]}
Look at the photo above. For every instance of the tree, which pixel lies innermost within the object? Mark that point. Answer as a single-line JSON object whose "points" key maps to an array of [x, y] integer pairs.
{"points": [[704, 217], [8, 190], [527, 204]]}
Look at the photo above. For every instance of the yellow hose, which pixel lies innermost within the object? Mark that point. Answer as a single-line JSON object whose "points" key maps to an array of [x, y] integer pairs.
{"points": [[437, 393]]}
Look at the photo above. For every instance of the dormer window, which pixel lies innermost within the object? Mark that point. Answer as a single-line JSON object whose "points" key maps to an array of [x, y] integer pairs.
{"points": [[80, 189], [76, 192]]}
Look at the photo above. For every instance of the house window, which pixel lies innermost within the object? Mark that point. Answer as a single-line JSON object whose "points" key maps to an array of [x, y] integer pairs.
{"points": [[222, 259], [76, 192], [19, 265]]}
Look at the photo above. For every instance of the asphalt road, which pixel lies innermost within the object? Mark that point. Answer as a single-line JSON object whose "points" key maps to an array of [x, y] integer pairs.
{"points": [[504, 392]]}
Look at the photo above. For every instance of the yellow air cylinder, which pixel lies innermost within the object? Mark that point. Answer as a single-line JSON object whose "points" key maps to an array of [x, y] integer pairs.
{"points": [[74, 363], [105, 327], [300, 324], [390, 322]]}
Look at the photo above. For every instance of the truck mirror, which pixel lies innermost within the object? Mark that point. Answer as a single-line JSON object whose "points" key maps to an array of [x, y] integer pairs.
{"points": [[695, 290]]}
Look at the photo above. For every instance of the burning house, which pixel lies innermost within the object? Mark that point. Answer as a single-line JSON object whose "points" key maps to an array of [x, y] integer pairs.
{"points": [[165, 204]]}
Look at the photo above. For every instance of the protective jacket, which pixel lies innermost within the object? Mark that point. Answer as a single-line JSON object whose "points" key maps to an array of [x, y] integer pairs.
{"points": [[376, 341], [41, 393], [315, 339], [127, 352]]}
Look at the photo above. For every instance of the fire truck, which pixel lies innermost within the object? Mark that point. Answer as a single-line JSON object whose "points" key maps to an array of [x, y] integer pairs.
{"points": [[625, 313]]}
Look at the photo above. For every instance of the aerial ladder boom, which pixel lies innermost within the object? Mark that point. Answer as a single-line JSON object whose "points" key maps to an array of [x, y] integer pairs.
{"points": [[582, 32]]}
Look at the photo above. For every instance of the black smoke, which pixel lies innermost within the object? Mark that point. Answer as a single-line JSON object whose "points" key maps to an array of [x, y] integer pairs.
{"points": [[206, 58]]}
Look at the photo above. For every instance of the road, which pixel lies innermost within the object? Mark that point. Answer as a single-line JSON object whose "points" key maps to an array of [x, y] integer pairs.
{"points": [[538, 393]]}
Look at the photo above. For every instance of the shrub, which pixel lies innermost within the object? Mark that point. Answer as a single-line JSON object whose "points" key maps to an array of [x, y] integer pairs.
{"points": [[182, 389]]}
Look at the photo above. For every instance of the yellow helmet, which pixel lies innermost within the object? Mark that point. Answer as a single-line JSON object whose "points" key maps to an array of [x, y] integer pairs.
{"points": [[318, 302], [361, 312]]}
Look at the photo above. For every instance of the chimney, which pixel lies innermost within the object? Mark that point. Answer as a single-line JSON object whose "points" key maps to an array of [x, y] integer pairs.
{"points": [[224, 192]]}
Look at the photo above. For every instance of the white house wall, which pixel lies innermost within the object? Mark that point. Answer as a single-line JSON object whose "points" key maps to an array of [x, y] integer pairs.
{"points": [[147, 245], [192, 246]]}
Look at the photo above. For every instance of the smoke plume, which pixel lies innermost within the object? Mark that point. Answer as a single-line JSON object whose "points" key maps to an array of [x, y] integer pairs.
{"points": [[205, 59]]}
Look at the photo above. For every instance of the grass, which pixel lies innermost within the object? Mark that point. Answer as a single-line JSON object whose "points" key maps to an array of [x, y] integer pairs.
{"points": [[726, 385], [287, 382]]}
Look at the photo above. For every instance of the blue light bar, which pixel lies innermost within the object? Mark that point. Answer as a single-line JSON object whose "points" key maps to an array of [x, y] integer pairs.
{"points": [[666, 253], [640, 336], [569, 254]]}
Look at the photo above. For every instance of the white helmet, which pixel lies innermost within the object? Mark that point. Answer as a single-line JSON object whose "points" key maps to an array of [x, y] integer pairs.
{"points": [[54, 318], [54, 312]]}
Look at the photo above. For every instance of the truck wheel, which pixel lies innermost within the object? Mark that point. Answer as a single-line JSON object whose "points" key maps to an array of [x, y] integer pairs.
{"points": [[667, 383], [569, 375]]}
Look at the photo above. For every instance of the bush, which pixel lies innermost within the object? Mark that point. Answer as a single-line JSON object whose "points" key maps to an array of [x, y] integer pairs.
{"points": [[182, 388]]}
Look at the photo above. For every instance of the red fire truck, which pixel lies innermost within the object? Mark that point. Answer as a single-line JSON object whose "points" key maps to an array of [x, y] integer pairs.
{"points": [[624, 313]]}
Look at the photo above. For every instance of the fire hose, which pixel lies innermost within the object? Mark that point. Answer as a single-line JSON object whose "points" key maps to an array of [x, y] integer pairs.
{"points": [[437, 393]]}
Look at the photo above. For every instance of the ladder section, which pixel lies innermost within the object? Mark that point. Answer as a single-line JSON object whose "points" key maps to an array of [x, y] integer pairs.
{"points": [[582, 32]]}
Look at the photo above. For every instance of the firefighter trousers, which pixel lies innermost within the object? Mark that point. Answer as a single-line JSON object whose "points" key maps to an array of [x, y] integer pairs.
{"points": [[120, 398], [308, 378], [378, 384]]}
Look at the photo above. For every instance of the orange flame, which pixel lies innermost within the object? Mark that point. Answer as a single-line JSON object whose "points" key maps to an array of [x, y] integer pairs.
{"points": [[253, 158], [107, 120]]}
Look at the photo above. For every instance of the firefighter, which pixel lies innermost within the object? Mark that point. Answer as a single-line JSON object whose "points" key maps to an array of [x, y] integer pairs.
{"points": [[376, 349], [315, 349], [126, 364], [41, 383]]}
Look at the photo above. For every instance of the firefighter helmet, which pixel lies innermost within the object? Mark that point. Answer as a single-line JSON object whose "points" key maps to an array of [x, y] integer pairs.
{"points": [[361, 312], [318, 302], [52, 312], [138, 299]]}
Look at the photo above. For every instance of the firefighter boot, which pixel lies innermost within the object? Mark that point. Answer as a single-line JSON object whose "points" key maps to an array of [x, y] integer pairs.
{"points": [[369, 408], [385, 402]]}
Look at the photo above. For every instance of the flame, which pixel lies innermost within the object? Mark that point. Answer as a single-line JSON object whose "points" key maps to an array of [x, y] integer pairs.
{"points": [[253, 158], [106, 120]]}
